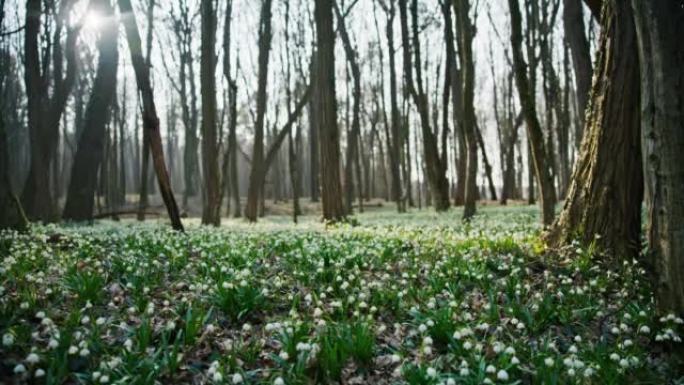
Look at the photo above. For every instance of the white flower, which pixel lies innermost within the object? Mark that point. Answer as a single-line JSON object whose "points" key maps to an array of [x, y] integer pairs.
{"points": [[19, 369], [128, 344], [8, 339], [284, 356], [32, 358], [624, 363], [395, 358], [104, 379], [515, 360], [84, 352], [502, 375], [100, 321], [588, 372], [450, 381], [644, 330], [279, 381], [217, 376], [73, 349], [85, 320], [427, 340], [246, 327], [422, 328], [490, 369], [464, 372], [39, 373], [53, 344], [431, 372], [317, 312], [548, 361], [237, 378], [615, 357]]}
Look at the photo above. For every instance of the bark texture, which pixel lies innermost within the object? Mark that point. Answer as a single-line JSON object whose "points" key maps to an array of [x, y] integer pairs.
{"points": [[325, 107], [660, 27], [211, 204], [606, 191]]}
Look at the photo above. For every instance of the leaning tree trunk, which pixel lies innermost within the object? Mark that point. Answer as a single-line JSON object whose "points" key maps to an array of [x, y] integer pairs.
{"points": [[326, 112], [150, 117], [607, 186], [91, 144], [534, 131], [660, 27]]}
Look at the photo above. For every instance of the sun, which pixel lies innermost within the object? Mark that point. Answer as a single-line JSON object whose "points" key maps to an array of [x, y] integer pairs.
{"points": [[93, 20]]}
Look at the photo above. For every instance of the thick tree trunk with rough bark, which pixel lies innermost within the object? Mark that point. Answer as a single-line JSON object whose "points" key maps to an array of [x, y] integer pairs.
{"points": [[534, 131], [150, 117], [660, 27], [606, 191], [91, 144], [211, 204], [326, 112]]}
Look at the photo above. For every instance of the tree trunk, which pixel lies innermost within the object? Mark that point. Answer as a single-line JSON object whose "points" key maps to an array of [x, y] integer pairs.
{"points": [[278, 139], [660, 27], [256, 189], [91, 145], [143, 200], [352, 143], [435, 167], [313, 138], [45, 112], [607, 185], [573, 23], [326, 112], [150, 118], [211, 204], [534, 131], [11, 213], [465, 40]]}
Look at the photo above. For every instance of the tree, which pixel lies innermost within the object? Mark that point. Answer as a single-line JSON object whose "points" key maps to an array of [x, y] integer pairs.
{"points": [[255, 189], [211, 204], [466, 33], [91, 144], [44, 109], [143, 200], [393, 133], [573, 23], [149, 111], [11, 212], [660, 26], [606, 191], [325, 107], [434, 164], [534, 131], [352, 140], [232, 120]]}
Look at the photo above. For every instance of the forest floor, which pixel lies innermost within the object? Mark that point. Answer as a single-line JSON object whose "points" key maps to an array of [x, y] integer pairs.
{"points": [[396, 299]]}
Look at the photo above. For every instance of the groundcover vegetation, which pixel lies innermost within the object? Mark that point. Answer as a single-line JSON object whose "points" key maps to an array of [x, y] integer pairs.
{"points": [[410, 299]]}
